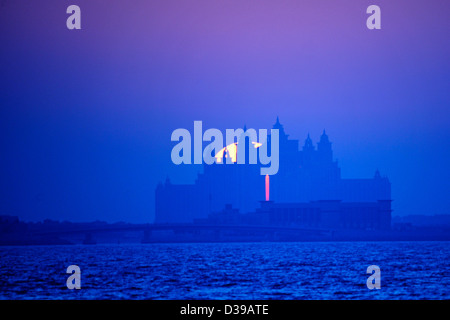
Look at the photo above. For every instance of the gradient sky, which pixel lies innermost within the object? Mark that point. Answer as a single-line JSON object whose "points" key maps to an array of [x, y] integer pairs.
{"points": [[86, 115]]}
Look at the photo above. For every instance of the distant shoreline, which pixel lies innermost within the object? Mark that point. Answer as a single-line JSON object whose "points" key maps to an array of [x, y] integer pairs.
{"points": [[120, 238], [14, 232]]}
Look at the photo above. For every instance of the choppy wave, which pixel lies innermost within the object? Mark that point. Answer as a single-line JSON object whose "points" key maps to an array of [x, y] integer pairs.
{"points": [[409, 270]]}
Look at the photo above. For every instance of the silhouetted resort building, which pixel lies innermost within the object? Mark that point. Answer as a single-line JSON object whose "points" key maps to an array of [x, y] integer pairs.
{"points": [[307, 191]]}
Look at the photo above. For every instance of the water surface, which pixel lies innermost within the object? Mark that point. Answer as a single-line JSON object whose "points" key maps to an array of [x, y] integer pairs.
{"points": [[409, 270]]}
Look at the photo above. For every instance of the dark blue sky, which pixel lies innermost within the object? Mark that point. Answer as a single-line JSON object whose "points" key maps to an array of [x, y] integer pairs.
{"points": [[86, 115]]}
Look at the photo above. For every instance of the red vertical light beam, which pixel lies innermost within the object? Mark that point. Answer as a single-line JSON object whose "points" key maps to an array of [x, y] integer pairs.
{"points": [[267, 187]]}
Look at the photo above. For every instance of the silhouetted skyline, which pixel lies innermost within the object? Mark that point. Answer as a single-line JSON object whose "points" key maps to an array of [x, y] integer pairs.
{"points": [[306, 191]]}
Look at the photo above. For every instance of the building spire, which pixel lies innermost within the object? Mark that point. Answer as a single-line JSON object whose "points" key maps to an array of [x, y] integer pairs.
{"points": [[324, 137], [280, 128], [377, 174], [308, 144]]}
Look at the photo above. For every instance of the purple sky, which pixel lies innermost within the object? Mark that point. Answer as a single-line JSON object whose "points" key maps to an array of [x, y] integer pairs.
{"points": [[86, 115]]}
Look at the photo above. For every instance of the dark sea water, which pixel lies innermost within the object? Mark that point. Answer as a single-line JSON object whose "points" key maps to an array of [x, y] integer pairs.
{"points": [[409, 270]]}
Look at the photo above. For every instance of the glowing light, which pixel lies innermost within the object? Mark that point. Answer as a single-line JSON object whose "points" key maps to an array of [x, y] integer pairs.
{"points": [[231, 150], [267, 187]]}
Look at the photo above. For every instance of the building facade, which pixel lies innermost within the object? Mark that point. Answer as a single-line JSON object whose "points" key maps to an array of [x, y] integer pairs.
{"points": [[308, 184]]}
